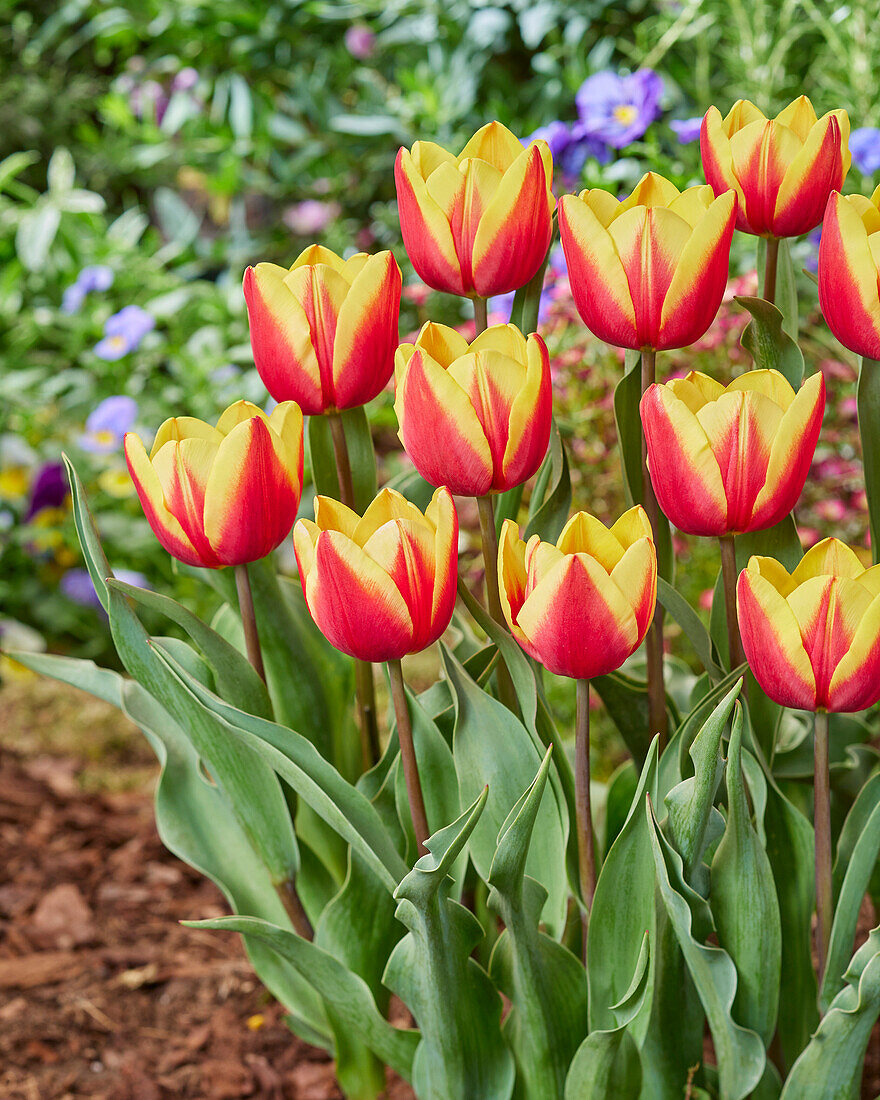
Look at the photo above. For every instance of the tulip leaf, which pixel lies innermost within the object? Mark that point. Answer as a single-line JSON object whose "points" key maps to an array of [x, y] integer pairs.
{"points": [[345, 992], [744, 904], [626, 700], [507, 505], [458, 1010], [765, 338], [551, 498], [234, 675], [544, 982], [361, 456], [690, 622], [830, 1068], [194, 823], [491, 746], [739, 1051], [786, 285], [861, 865], [868, 403], [607, 1065], [621, 789]]}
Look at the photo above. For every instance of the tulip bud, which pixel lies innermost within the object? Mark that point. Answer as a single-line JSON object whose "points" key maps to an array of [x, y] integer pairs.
{"points": [[226, 495], [382, 586], [324, 333], [480, 223], [782, 169], [475, 418], [725, 460], [849, 271], [812, 639], [648, 272], [583, 606]]}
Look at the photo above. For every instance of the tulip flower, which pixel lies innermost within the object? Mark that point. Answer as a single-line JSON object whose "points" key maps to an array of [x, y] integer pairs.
{"points": [[479, 223], [812, 638], [380, 586], [725, 460], [475, 418], [226, 495], [849, 271], [648, 272], [782, 169], [324, 333], [583, 606]]}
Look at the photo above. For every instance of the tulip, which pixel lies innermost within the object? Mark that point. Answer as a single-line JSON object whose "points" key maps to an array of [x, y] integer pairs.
{"points": [[782, 169], [477, 224], [324, 333], [380, 586], [648, 272], [849, 271], [725, 460], [226, 495], [475, 418], [583, 606]]}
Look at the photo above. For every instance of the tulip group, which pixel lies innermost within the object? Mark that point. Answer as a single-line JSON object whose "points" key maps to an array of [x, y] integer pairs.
{"points": [[648, 272], [323, 333], [849, 271], [583, 605], [479, 223], [476, 417], [226, 495], [782, 169], [812, 638], [380, 586], [725, 460]]}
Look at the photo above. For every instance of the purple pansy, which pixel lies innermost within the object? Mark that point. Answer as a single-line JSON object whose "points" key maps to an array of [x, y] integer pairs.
{"points": [[94, 277], [77, 585], [360, 41], [686, 129], [49, 489], [123, 332], [864, 144], [108, 423], [570, 146], [619, 109]]}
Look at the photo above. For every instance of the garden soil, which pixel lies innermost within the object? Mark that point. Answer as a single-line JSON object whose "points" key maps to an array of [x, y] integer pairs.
{"points": [[102, 993]]}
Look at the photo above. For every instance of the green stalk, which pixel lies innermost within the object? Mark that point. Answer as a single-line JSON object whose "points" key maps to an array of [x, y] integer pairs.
{"points": [[489, 536], [770, 267], [586, 844], [408, 757], [822, 827]]}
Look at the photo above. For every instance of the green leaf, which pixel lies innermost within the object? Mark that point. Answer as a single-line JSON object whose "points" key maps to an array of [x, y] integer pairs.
{"points": [[607, 1065], [739, 1051], [626, 700], [690, 622], [544, 982], [768, 343], [551, 499], [234, 675], [347, 994], [527, 301], [507, 506], [744, 904], [786, 285], [462, 1052], [859, 868], [830, 1067], [361, 456], [868, 402], [36, 232], [491, 746]]}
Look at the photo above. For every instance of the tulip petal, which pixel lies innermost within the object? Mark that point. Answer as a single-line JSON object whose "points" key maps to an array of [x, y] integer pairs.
{"points": [[405, 551], [493, 143], [333, 515], [237, 413], [512, 576], [427, 234], [855, 684], [183, 470], [506, 339], [772, 642], [442, 343], [799, 116], [632, 526], [321, 291], [442, 515], [183, 427], [848, 285], [491, 381], [830, 557], [367, 333], [387, 505], [584, 534], [286, 421], [816, 171], [828, 611], [636, 577], [718, 159], [531, 419]]}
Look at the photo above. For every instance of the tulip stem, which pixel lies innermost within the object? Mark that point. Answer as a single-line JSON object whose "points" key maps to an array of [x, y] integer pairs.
{"points": [[654, 637], [493, 594], [249, 619], [822, 827], [481, 316], [408, 756], [729, 575], [363, 670], [586, 846], [286, 892], [770, 267]]}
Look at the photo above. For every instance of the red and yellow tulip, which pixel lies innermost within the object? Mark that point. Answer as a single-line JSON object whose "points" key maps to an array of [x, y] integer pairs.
{"points": [[648, 272], [226, 495], [849, 271], [812, 638], [725, 460], [478, 223], [324, 333], [782, 169], [380, 586], [583, 606], [476, 417]]}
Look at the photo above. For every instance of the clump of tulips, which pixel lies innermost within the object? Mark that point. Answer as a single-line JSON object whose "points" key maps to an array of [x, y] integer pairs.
{"points": [[692, 932]]}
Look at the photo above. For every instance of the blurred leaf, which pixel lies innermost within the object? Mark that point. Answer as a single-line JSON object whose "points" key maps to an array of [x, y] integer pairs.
{"points": [[241, 108], [35, 234], [551, 499], [61, 173], [366, 125], [178, 222], [692, 625]]}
